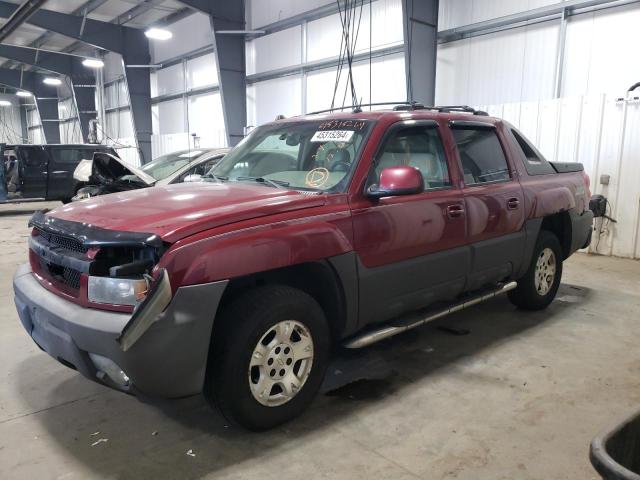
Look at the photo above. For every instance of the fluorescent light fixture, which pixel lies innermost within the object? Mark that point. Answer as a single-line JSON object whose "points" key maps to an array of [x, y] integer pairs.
{"points": [[158, 34], [22, 93], [52, 81], [5, 103], [93, 63]]}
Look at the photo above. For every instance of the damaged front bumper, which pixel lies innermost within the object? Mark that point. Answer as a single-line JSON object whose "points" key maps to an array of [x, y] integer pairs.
{"points": [[160, 356]]}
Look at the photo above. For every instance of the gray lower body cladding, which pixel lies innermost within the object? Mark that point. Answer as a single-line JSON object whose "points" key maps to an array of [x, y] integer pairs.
{"points": [[168, 361]]}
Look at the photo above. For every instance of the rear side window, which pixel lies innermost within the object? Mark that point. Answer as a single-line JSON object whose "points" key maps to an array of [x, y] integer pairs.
{"points": [[34, 157], [535, 163], [481, 154], [70, 155]]}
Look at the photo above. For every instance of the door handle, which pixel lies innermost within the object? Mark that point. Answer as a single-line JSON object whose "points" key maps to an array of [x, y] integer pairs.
{"points": [[513, 203], [455, 211]]}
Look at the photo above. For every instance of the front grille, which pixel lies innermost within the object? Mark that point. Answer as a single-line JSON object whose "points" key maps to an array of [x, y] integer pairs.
{"points": [[64, 242], [65, 275], [71, 278]]}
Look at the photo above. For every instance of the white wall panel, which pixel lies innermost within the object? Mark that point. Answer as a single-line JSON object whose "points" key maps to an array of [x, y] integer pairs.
{"points": [[206, 120], [163, 144], [627, 200], [171, 117], [264, 12], [510, 66], [452, 73], [388, 83], [598, 51], [600, 132], [455, 13], [325, 34], [189, 34], [171, 79], [266, 100], [202, 71], [10, 121], [277, 50]]}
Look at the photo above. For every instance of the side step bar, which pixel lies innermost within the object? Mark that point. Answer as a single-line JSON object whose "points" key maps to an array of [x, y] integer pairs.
{"points": [[373, 336]]}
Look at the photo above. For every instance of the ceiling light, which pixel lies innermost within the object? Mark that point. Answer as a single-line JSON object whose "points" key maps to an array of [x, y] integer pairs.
{"points": [[93, 63], [52, 81], [5, 103], [158, 34], [22, 93]]}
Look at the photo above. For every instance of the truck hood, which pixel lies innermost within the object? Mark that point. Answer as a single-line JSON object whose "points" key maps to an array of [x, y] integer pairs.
{"points": [[176, 211], [107, 168]]}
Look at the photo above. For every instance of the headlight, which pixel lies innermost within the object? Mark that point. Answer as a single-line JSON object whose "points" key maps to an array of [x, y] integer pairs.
{"points": [[117, 291], [80, 196]]}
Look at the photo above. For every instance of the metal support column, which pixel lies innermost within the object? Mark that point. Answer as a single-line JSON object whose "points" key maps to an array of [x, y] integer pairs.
{"points": [[420, 25], [47, 99], [229, 49], [562, 40]]}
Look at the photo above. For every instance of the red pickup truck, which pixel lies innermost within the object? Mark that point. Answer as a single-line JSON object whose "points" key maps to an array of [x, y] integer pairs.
{"points": [[315, 232]]}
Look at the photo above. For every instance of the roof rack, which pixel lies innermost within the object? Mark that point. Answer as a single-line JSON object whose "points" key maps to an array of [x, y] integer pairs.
{"points": [[358, 108], [460, 108], [405, 106]]}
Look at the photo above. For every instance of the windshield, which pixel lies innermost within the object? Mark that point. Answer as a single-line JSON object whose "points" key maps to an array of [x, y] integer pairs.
{"points": [[165, 165], [309, 155]]}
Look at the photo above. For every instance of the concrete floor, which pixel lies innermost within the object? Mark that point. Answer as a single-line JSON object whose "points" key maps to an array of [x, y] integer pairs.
{"points": [[521, 396]]}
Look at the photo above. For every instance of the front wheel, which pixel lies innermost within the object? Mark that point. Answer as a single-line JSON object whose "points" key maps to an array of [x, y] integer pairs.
{"points": [[268, 358], [537, 289]]}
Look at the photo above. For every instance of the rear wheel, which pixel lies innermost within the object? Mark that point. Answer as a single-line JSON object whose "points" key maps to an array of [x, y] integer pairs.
{"points": [[537, 289], [268, 357]]}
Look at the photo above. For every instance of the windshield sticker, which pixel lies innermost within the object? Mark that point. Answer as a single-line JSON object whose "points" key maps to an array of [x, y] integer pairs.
{"points": [[332, 136], [336, 124], [317, 177]]}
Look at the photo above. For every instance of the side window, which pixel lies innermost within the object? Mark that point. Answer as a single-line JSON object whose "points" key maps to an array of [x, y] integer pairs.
{"points": [[418, 147], [70, 155], [34, 157], [481, 154], [534, 163], [203, 168], [529, 153]]}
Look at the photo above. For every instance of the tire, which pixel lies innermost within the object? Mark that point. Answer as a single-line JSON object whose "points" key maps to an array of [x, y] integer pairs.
{"points": [[258, 321], [532, 295]]}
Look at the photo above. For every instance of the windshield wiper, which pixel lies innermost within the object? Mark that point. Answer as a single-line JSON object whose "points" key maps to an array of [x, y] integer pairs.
{"points": [[267, 181], [217, 178]]}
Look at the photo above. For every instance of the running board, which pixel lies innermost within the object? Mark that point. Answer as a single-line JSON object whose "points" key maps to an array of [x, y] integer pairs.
{"points": [[373, 336]]}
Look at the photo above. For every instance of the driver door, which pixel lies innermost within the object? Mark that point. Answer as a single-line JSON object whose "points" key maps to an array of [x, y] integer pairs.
{"points": [[412, 249]]}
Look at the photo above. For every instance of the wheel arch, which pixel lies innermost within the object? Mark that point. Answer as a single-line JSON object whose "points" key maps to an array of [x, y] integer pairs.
{"points": [[560, 225], [331, 282]]}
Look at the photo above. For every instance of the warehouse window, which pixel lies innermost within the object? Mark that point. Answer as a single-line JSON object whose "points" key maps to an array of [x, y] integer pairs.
{"points": [[481, 154]]}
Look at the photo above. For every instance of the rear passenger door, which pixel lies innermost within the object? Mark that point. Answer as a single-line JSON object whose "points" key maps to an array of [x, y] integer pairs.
{"points": [[33, 168], [411, 248], [493, 201], [64, 161]]}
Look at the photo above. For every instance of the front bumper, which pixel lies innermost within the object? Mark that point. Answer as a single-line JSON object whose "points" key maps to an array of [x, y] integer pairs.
{"points": [[168, 361]]}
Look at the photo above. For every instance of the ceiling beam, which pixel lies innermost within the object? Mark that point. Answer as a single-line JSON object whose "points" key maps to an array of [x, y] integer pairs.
{"points": [[20, 15], [85, 9], [46, 98], [105, 35], [130, 43]]}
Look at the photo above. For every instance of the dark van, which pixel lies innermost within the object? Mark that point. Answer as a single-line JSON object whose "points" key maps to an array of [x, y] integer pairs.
{"points": [[43, 172]]}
